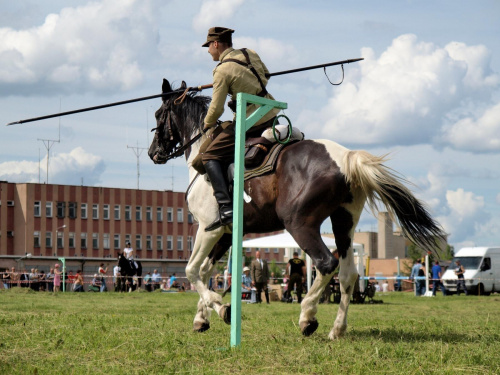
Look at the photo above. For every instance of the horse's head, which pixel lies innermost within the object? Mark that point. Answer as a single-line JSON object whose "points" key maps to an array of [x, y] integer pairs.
{"points": [[176, 121]]}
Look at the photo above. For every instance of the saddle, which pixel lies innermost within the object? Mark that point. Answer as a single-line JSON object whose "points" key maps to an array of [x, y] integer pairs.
{"points": [[261, 152]]}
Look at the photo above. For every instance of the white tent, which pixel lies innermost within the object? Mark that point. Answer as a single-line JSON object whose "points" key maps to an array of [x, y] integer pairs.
{"points": [[286, 241]]}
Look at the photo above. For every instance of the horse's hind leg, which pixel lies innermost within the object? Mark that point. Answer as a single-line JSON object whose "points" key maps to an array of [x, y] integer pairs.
{"points": [[343, 224], [309, 240]]}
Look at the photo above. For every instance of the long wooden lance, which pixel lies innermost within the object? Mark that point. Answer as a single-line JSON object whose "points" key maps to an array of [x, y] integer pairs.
{"points": [[197, 88]]}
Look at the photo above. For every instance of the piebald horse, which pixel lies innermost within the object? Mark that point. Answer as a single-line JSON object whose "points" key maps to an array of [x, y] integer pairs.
{"points": [[313, 180]]}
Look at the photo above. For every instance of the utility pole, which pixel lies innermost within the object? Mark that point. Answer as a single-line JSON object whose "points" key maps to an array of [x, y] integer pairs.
{"points": [[137, 151]]}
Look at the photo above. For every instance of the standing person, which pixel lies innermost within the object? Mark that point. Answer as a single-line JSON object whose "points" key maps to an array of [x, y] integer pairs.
{"points": [[42, 281], [296, 269], [260, 276], [117, 278], [57, 278], [239, 71], [414, 273], [436, 278], [78, 284], [6, 278], [147, 282], [102, 275], [156, 279], [459, 271], [421, 279], [50, 280]]}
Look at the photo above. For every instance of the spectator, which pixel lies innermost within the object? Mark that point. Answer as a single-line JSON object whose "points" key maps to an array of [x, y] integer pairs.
{"points": [[296, 269], [421, 279], [147, 282], [24, 279], [460, 271], [164, 285], [102, 275], [70, 279], [42, 281], [6, 278], [260, 276], [156, 279], [246, 285], [414, 273], [173, 281], [117, 280], [385, 286], [78, 284], [95, 285], [50, 280], [57, 278], [436, 279], [33, 277]]}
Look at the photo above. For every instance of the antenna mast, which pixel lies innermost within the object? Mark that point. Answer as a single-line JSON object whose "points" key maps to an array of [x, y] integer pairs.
{"points": [[137, 151]]}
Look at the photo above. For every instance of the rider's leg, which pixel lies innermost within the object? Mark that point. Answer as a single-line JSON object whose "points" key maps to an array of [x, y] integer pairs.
{"points": [[221, 193]]}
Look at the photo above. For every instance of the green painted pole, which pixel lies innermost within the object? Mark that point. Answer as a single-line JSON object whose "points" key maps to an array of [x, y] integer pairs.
{"points": [[242, 125], [63, 261]]}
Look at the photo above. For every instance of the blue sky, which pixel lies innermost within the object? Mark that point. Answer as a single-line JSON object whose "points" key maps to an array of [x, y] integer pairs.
{"points": [[428, 91]]}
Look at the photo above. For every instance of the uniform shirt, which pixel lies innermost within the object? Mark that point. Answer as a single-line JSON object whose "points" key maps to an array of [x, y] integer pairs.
{"points": [[232, 78], [296, 265]]}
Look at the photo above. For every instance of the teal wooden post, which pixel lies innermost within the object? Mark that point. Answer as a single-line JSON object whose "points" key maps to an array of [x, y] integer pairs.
{"points": [[242, 125], [63, 260]]}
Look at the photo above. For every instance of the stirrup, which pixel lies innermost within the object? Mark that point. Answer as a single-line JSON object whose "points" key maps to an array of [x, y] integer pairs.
{"points": [[220, 222]]}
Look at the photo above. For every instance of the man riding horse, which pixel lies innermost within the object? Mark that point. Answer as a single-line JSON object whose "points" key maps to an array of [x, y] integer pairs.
{"points": [[238, 71]]}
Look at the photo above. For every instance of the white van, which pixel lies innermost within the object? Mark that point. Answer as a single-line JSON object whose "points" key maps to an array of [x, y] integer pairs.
{"points": [[482, 270]]}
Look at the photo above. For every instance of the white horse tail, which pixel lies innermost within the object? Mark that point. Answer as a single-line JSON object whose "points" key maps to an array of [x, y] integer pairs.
{"points": [[380, 183]]}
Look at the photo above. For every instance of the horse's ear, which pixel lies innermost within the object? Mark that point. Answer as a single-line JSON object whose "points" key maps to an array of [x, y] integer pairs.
{"points": [[183, 85], [165, 87]]}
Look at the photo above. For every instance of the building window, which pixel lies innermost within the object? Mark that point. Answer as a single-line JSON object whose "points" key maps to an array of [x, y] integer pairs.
{"points": [[60, 240], [159, 214], [266, 250], [170, 242], [37, 209], [170, 214], [83, 210], [149, 214], [138, 241], [83, 240], [72, 210], [190, 243], [116, 241], [36, 239], [128, 215], [105, 211], [149, 242], [190, 218], [48, 209], [117, 212], [180, 241], [95, 211], [276, 250], [48, 239], [127, 239], [105, 240], [71, 240], [180, 215], [95, 240], [249, 249], [61, 208], [138, 213], [159, 242]]}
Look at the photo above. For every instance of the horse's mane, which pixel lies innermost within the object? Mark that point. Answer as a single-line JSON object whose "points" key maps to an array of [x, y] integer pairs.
{"points": [[194, 107]]}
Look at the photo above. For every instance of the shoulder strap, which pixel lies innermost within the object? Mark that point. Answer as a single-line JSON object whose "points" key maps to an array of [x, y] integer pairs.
{"points": [[248, 65]]}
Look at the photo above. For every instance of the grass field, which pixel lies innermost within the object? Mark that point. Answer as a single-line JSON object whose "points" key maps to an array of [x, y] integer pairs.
{"points": [[150, 333]]}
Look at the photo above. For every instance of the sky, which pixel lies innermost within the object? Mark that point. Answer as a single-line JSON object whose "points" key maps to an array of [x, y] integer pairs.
{"points": [[427, 92]]}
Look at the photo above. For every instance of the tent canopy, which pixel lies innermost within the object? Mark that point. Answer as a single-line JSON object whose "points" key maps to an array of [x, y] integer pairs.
{"points": [[285, 241]]}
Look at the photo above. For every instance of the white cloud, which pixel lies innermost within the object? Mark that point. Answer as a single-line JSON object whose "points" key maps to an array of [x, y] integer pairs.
{"points": [[64, 168], [404, 96], [95, 47], [213, 12]]}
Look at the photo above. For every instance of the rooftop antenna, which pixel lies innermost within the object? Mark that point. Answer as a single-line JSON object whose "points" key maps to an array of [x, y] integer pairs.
{"points": [[137, 151], [48, 143]]}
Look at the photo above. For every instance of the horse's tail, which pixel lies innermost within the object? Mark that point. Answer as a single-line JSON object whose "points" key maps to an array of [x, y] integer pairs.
{"points": [[379, 183]]}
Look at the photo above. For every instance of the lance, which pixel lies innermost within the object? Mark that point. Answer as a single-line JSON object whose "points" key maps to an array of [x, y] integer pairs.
{"points": [[197, 88]]}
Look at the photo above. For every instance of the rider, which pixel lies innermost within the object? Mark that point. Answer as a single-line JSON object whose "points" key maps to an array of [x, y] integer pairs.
{"points": [[239, 70], [129, 255]]}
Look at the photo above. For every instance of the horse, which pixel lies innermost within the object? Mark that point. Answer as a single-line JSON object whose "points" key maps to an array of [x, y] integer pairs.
{"points": [[127, 271], [313, 180]]}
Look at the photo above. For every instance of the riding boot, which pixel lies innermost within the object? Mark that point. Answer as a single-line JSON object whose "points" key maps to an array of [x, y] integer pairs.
{"points": [[221, 193]]}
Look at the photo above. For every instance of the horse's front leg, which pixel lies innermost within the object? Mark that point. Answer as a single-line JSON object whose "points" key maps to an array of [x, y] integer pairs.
{"points": [[197, 272], [347, 277]]}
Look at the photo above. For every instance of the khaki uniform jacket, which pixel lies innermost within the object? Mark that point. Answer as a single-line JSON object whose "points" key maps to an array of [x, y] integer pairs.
{"points": [[232, 78], [259, 274]]}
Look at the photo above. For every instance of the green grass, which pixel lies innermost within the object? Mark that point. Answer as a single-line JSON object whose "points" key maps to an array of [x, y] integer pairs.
{"points": [[151, 333]]}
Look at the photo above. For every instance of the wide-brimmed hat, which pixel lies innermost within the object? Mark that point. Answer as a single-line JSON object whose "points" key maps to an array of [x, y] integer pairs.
{"points": [[219, 34]]}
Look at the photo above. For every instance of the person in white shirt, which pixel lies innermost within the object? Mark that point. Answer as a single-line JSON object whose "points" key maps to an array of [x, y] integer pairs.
{"points": [[129, 252]]}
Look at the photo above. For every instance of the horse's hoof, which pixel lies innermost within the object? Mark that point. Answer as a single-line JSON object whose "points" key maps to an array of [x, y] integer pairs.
{"points": [[225, 313], [308, 328], [201, 327]]}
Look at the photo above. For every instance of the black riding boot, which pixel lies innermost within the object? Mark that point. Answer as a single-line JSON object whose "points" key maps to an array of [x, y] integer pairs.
{"points": [[221, 193]]}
